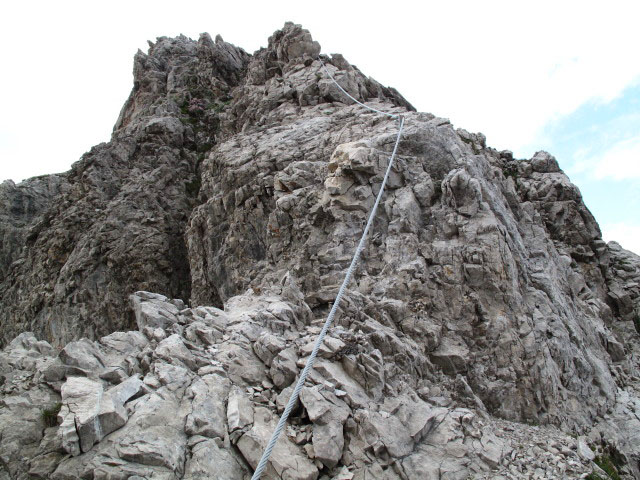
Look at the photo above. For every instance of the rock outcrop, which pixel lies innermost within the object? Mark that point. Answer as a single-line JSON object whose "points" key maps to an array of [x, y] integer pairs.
{"points": [[489, 332], [21, 207], [115, 223], [209, 409]]}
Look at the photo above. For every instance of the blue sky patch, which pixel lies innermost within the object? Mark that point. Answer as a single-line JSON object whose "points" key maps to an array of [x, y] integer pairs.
{"points": [[598, 146]]}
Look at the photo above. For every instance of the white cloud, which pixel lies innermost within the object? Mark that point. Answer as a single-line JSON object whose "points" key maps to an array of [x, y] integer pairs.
{"points": [[501, 67], [620, 162], [507, 69], [626, 234]]}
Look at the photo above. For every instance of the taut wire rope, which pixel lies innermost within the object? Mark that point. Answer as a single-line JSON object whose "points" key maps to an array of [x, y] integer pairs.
{"points": [[262, 464]]}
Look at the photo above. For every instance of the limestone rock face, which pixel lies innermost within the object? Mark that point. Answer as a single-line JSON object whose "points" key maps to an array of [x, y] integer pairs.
{"points": [[174, 281], [162, 419], [20, 209], [114, 224]]}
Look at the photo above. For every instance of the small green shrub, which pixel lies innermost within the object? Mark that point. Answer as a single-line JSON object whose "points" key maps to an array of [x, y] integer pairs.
{"points": [[511, 170], [204, 147], [193, 187], [437, 191], [221, 105], [593, 476], [50, 415], [605, 463]]}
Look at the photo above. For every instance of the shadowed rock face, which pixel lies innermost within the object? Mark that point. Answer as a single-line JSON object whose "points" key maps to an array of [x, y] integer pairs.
{"points": [[21, 206], [243, 182], [118, 223]]}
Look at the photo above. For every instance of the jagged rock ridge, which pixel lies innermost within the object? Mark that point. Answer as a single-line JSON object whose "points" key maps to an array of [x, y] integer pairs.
{"points": [[243, 181], [117, 223]]}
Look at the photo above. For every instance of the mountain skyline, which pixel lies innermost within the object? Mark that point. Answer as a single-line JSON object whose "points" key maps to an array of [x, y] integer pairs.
{"points": [[549, 77]]}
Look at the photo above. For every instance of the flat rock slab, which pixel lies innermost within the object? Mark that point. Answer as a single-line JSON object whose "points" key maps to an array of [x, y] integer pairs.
{"points": [[88, 413], [287, 460]]}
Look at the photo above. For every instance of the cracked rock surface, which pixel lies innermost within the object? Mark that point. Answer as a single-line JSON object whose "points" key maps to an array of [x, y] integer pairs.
{"points": [[167, 418], [159, 300]]}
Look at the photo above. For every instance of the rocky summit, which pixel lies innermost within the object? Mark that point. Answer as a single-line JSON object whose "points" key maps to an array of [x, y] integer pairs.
{"points": [[159, 300]]}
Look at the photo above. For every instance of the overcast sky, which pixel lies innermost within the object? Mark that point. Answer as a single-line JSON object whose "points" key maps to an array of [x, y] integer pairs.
{"points": [[561, 76]]}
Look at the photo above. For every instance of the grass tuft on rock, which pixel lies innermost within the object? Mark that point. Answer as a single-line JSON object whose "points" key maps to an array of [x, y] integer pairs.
{"points": [[50, 415], [605, 463]]}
